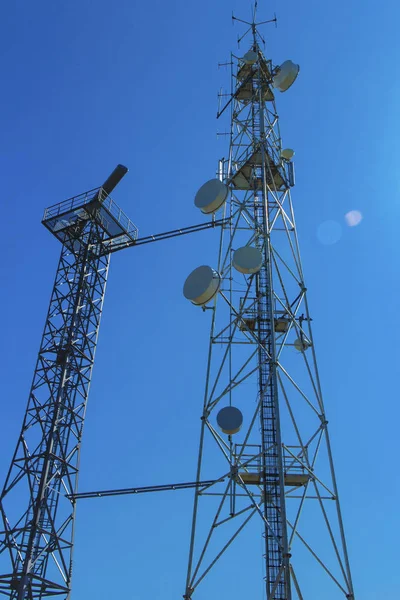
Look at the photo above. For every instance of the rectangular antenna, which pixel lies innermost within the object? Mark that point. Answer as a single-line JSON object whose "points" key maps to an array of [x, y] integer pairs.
{"points": [[113, 180]]}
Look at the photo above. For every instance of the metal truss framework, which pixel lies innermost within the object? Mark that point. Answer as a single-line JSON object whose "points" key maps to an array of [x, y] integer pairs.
{"points": [[39, 536], [279, 468], [37, 502]]}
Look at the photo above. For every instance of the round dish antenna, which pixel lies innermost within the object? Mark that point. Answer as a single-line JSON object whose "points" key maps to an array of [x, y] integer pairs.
{"points": [[201, 285], [287, 154], [250, 57], [286, 75], [247, 260], [301, 344], [229, 420], [211, 196]]}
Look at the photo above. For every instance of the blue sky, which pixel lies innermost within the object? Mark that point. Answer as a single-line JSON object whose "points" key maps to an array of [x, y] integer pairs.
{"points": [[87, 85]]}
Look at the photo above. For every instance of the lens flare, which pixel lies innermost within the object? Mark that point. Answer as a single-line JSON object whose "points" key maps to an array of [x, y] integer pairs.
{"points": [[353, 218], [329, 232]]}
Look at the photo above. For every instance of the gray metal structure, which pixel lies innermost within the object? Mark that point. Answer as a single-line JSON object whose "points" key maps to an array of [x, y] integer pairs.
{"points": [[37, 504], [277, 472], [37, 520], [278, 469]]}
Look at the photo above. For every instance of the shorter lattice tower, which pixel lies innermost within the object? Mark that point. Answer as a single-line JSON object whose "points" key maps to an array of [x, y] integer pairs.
{"points": [[37, 502]]}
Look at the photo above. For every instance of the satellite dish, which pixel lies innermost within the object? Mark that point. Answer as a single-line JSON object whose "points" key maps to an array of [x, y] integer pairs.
{"points": [[250, 57], [211, 196], [286, 75], [287, 154], [247, 260], [201, 285], [301, 344], [229, 420]]}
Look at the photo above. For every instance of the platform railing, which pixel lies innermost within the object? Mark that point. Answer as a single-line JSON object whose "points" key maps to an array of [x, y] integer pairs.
{"points": [[91, 196]]}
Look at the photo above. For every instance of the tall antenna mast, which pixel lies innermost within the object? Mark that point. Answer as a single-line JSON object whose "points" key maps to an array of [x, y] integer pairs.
{"points": [[264, 432]]}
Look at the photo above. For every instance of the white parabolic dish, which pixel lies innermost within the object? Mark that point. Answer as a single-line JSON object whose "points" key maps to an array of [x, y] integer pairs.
{"points": [[287, 153], [229, 420], [301, 345], [286, 75], [211, 196], [250, 57], [201, 285], [247, 260]]}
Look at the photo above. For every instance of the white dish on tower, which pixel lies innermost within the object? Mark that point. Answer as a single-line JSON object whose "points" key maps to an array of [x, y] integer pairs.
{"points": [[201, 285], [250, 57], [247, 260], [230, 420], [287, 154], [211, 196], [301, 344], [286, 75]]}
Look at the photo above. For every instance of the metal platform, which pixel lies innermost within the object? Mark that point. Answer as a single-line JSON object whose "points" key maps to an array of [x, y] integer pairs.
{"points": [[248, 175], [248, 75], [98, 206]]}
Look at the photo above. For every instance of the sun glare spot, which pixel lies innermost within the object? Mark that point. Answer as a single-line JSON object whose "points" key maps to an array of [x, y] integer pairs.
{"points": [[353, 218], [329, 232]]}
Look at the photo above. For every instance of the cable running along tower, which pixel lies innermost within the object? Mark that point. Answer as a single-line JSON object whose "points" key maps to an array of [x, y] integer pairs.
{"points": [[264, 438]]}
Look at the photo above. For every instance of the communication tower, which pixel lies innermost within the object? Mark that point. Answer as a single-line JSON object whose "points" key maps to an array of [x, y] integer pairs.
{"points": [[37, 520], [37, 502], [264, 441]]}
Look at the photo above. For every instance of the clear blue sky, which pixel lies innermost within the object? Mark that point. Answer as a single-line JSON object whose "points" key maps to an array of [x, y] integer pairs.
{"points": [[86, 85]]}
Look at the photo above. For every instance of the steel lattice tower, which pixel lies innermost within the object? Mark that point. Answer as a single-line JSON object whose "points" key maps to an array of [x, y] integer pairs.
{"points": [[37, 519], [37, 502], [278, 468]]}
